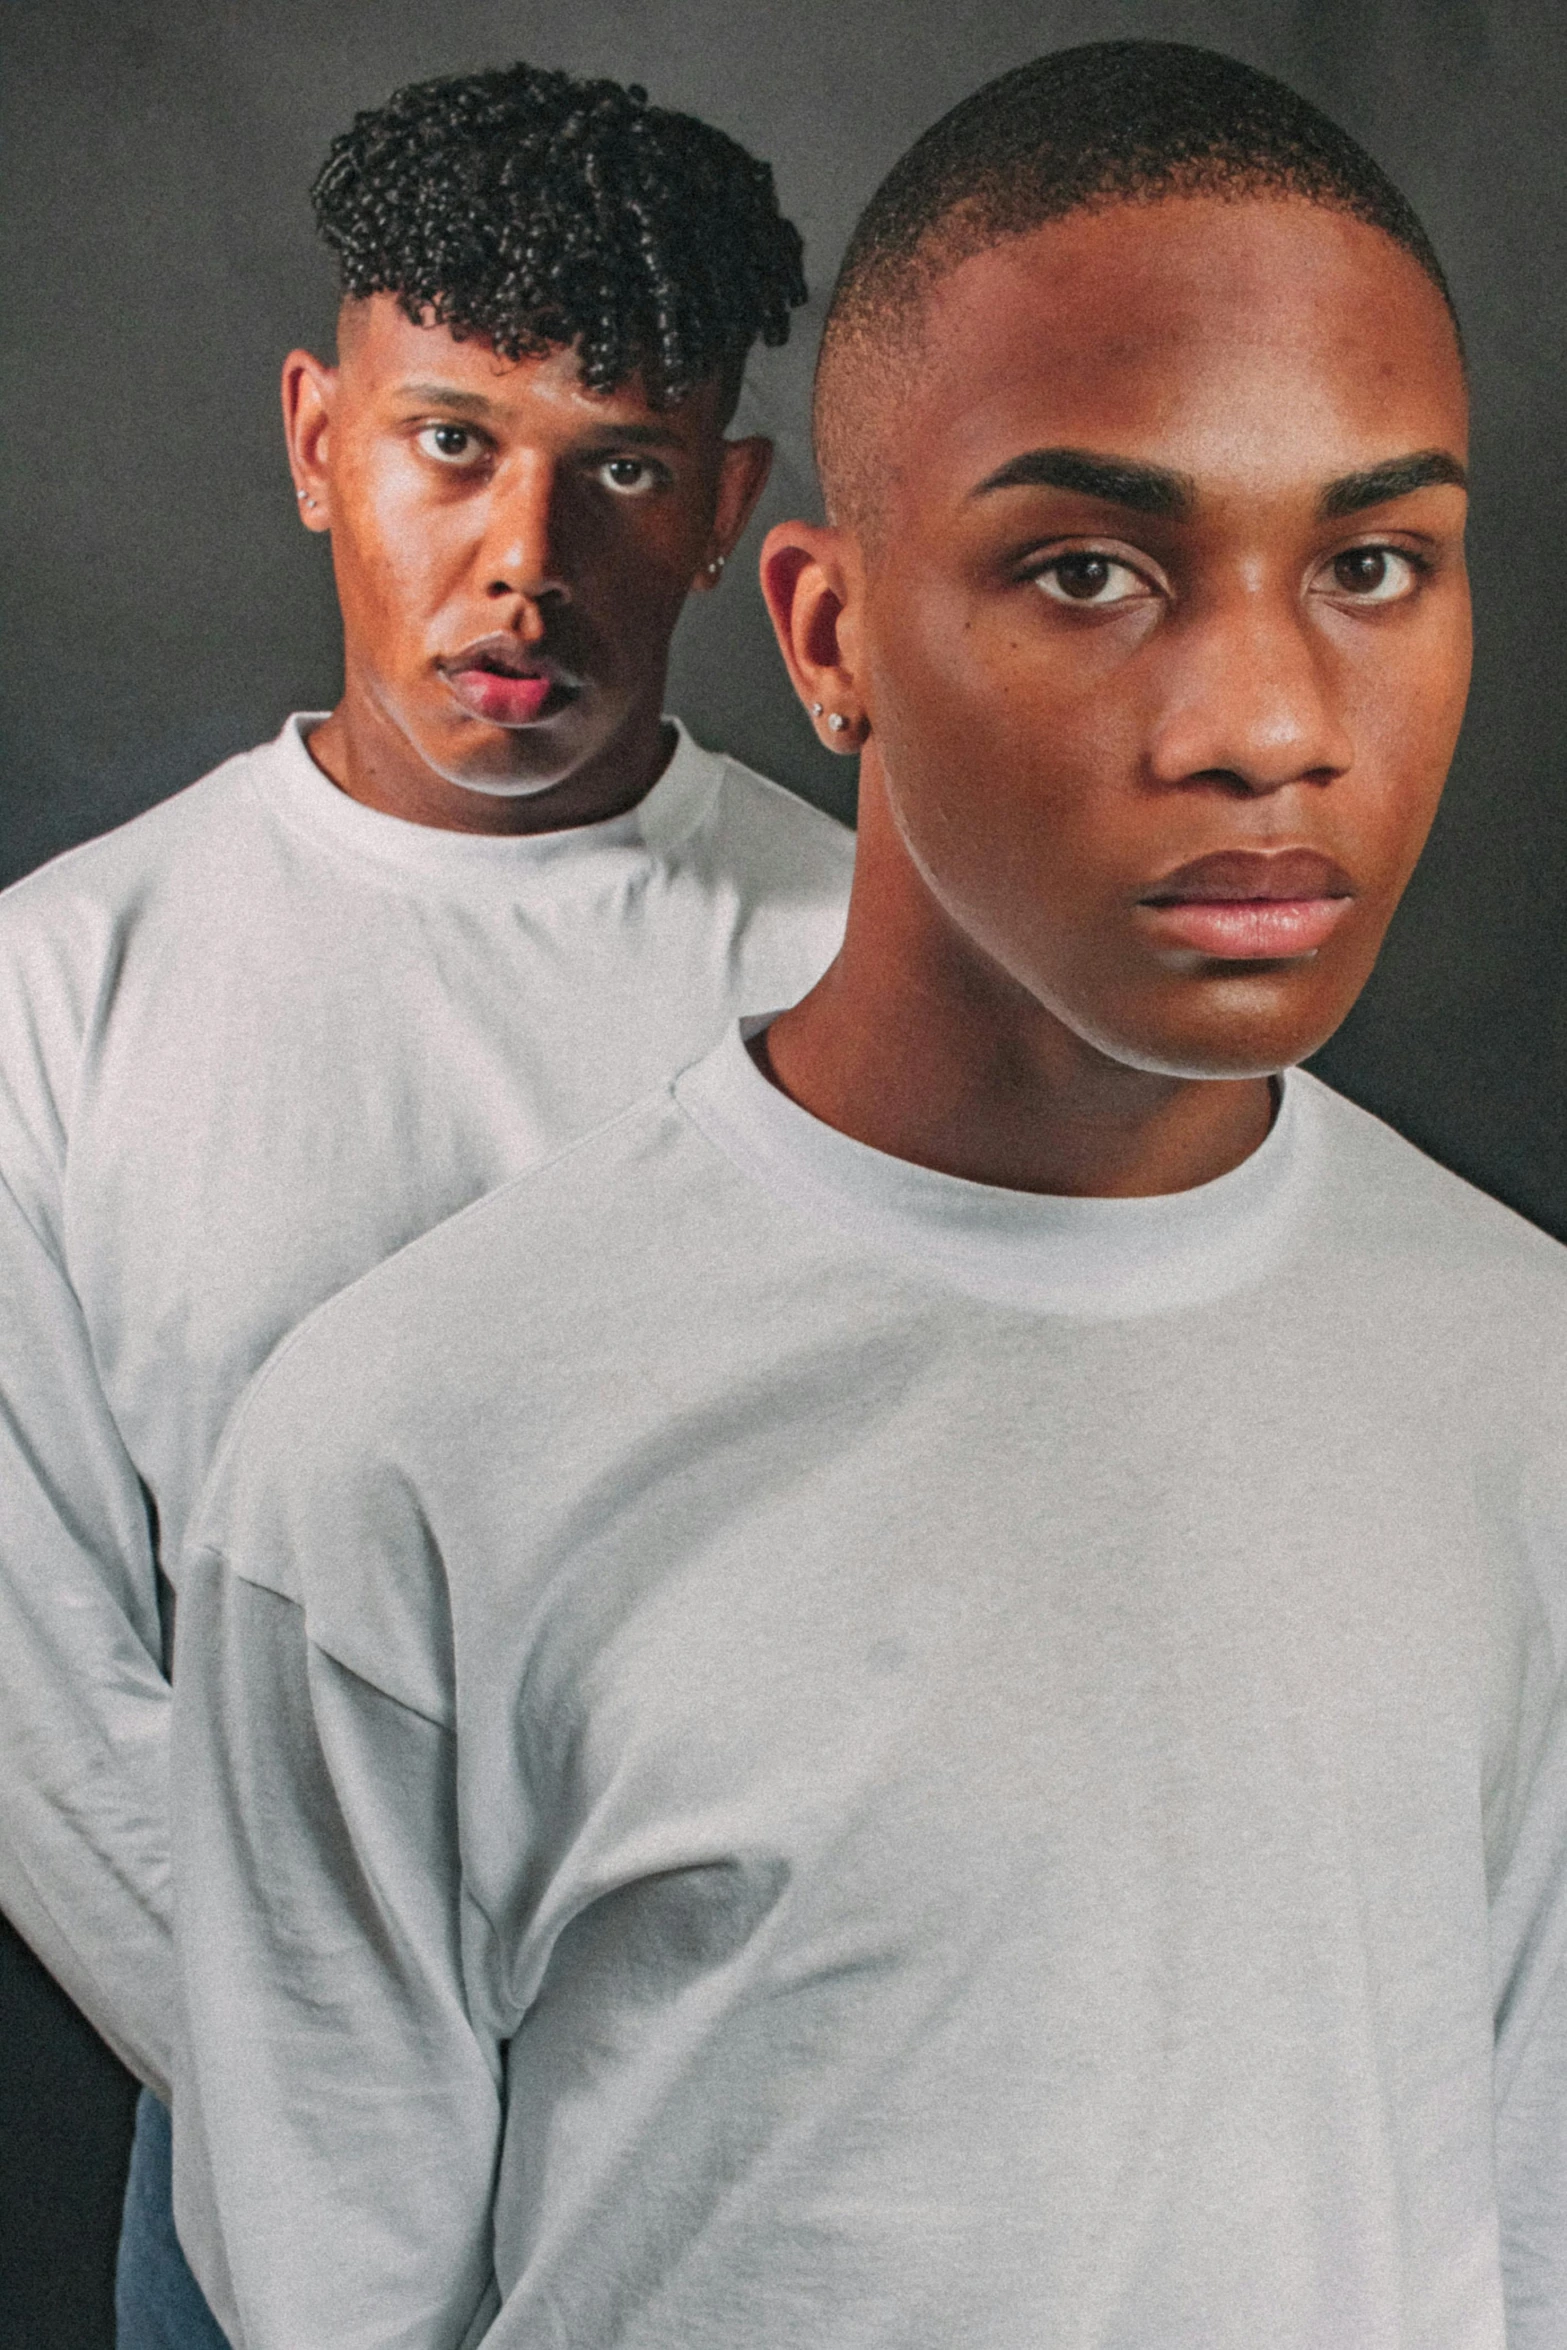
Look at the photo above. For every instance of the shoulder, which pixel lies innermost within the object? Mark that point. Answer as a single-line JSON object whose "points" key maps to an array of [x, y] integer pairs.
{"points": [[414, 1361], [70, 931], [436, 1385], [83, 896], [1452, 1254]]}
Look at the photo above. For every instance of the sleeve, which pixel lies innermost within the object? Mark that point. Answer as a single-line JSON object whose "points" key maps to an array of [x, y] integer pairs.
{"points": [[84, 1705], [1529, 1943], [337, 2111]]}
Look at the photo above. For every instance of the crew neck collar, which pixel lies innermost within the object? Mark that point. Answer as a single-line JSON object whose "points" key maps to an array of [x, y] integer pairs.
{"points": [[306, 796], [1093, 1259]]}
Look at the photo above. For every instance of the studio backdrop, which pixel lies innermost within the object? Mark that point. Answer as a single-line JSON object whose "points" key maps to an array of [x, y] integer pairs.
{"points": [[162, 607]]}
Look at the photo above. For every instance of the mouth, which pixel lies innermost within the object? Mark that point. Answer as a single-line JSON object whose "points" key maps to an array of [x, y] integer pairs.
{"points": [[1250, 905], [507, 683]]}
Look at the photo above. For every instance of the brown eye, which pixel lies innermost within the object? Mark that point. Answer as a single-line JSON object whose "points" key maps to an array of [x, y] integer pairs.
{"points": [[1372, 575], [631, 477], [1082, 577], [450, 444], [1362, 571]]}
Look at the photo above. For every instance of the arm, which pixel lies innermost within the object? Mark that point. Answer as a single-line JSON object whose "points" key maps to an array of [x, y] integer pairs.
{"points": [[338, 2112], [1529, 1940], [84, 1706]]}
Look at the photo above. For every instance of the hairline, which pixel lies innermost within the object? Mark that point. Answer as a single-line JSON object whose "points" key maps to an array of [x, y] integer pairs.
{"points": [[912, 278], [729, 377]]}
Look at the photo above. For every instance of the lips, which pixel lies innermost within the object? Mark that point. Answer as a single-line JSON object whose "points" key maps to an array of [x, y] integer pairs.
{"points": [[1249, 905], [507, 683]]}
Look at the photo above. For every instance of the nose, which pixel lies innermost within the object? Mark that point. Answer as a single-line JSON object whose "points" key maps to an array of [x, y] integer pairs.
{"points": [[1252, 706], [519, 555]]}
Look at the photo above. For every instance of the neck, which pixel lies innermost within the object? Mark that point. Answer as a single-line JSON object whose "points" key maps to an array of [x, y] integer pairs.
{"points": [[919, 1045], [369, 758]]}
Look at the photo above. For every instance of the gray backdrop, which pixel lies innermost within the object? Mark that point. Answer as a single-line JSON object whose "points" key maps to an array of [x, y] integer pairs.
{"points": [[162, 608]]}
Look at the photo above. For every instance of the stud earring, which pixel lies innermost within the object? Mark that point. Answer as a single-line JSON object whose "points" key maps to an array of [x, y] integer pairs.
{"points": [[816, 709], [715, 569], [837, 722], [304, 497]]}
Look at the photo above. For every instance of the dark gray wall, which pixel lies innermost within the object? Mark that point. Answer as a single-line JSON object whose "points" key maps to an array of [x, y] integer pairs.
{"points": [[162, 608]]}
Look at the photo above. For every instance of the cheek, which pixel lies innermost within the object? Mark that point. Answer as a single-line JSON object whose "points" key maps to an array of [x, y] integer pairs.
{"points": [[638, 589], [397, 554], [1007, 757], [640, 559], [1404, 713], [941, 727], [999, 681]]}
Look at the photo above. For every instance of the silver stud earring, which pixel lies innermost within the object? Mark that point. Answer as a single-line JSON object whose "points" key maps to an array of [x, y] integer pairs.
{"points": [[304, 497], [837, 722], [715, 569], [816, 709]]}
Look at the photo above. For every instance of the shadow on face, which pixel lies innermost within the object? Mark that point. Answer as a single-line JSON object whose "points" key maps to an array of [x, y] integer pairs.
{"points": [[1149, 611], [512, 551]]}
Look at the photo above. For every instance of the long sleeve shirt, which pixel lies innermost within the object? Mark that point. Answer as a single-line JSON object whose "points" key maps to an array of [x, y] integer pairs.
{"points": [[782, 1748], [249, 1044]]}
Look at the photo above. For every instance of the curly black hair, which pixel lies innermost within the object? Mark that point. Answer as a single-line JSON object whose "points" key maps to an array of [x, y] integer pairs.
{"points": [[535, 210]]}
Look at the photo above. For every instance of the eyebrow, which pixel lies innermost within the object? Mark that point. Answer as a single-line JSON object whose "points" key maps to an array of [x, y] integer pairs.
{"points": [[447, 396], [1395, 479], [1116, 481], [1155, 489], [437, 395]]}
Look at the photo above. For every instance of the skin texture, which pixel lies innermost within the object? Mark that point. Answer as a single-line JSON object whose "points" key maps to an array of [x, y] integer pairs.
{"points": [[1063, 699], [475, 500]]}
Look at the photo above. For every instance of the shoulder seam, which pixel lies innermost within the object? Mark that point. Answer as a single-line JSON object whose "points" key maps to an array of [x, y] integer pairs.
{"points": [[263, 1378], [97, 843], [220, 1558]]}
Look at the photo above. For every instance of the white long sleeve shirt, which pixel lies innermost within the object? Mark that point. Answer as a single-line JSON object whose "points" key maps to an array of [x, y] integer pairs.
{"points": [[783, 1749], [249, 1044]]}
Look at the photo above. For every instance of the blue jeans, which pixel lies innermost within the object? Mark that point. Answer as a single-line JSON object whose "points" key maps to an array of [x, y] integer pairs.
{"points": [[158, 2304]]}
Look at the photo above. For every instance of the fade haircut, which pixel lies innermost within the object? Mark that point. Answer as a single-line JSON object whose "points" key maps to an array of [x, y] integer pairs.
{"points": [[1112, 122], [536, 210]]}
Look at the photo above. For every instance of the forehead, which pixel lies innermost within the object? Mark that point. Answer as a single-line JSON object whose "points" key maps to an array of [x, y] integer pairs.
{"points": [[386, 360], [1228, 339]]}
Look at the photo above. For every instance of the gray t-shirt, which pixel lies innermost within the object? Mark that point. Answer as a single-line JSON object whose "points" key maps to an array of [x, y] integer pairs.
{"points": [[783, 1749], [251, 1043]]}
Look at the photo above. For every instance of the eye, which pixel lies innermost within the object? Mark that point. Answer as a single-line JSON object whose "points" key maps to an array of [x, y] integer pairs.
{"points": [[1372, 575], [630, 477], [453, 445], [1085, 577]]}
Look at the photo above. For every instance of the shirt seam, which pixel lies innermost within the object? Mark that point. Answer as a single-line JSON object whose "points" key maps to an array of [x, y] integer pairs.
{"points": [[216, 1556]]}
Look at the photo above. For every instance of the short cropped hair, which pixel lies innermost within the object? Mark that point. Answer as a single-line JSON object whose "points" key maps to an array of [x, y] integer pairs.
{"points": [[535, 210], [1111, 122]]}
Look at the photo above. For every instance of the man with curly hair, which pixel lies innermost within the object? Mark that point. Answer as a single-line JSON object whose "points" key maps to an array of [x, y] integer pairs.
{"points": [[1008, 1787], [333, 992]]}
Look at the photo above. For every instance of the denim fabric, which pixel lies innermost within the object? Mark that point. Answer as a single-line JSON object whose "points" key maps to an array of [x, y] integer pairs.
{"points": [[158, 2304]]}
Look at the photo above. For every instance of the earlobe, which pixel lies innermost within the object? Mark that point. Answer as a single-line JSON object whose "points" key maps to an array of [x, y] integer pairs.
{"points": [[808, 579]]}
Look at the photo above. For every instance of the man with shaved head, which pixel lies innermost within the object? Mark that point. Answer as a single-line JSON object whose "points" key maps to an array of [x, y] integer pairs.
{"points": [[1007, 1785]]}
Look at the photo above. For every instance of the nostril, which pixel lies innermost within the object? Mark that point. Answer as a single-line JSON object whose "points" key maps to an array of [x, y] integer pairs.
{"points": [[551, 591]]}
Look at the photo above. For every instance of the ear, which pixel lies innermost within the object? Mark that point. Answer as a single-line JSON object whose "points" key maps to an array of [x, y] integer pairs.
{"points": [[811, 578], [742, 476], [309, 390]]}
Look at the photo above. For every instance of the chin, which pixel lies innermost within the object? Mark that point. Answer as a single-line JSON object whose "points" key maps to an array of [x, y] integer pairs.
{"points": [[1224, 1043], [508, 763], [508, 787]]}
